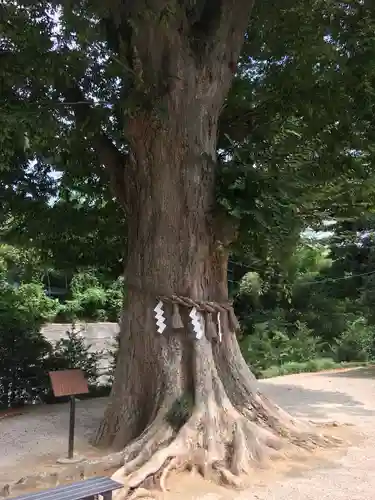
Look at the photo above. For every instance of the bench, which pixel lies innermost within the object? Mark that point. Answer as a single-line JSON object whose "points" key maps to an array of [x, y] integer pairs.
{"points": [[88, 489]]}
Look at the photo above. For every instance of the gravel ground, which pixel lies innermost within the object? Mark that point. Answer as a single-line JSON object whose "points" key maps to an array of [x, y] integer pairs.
{"points": [[39, 437], [347, 397], [34, 440]]}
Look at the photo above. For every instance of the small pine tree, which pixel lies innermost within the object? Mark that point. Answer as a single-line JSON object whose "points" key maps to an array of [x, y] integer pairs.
{"points": [[72, 352], [113, 354]]}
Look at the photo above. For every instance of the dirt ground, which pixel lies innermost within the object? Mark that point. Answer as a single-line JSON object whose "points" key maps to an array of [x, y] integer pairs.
{"points": [[32, 441]]}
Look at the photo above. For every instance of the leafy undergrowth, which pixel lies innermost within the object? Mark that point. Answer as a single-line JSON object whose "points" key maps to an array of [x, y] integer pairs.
{"points": [[313, 365]]}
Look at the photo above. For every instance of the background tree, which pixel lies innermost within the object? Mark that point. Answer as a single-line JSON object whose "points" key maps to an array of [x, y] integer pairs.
{"points": [[22, 348]]}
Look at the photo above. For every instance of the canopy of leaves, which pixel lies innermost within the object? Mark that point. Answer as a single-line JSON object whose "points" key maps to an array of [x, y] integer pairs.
{"points": [[296, 135], [307, 316]]}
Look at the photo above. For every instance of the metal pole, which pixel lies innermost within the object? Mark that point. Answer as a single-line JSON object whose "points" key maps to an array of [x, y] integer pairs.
{"points": [[71, 426]]}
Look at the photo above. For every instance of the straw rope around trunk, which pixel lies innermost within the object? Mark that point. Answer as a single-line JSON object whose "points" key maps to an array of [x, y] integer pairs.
{"points": [[218, 318]]}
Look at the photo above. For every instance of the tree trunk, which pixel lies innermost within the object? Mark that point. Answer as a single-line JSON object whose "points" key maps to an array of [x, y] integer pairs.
{"points": [[179, 401], [172, 250]]}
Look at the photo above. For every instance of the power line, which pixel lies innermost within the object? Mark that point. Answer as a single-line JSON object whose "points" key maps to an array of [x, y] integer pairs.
{"points": [[309, 283], [333, 280]]}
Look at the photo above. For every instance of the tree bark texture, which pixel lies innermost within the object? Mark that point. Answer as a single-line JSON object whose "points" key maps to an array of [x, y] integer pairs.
{"points": [[178, 401]]}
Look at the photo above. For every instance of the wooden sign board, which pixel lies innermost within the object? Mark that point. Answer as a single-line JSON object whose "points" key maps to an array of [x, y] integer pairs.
{"points": [[68, 383]]}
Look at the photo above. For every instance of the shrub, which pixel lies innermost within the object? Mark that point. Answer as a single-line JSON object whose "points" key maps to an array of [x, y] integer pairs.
{"points": [[115, 299], [88, 305], [72, 352], [24, 367], [273, 345], [23, 350], [91, 301], [113, 355], [356, 343], [250, 286], [26, 304], [313, 365], [27, 357]]}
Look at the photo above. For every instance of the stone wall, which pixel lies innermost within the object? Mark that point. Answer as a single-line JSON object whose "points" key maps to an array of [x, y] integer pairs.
{"points": [[99, 336]]}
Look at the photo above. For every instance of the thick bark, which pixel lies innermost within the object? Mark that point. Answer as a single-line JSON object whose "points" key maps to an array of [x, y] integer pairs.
{"points": [[171, 250], [171, 199], [178, 401]]}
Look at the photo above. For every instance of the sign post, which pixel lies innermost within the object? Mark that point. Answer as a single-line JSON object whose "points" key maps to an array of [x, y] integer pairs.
{"points": [[69, 383], [72, 421]]}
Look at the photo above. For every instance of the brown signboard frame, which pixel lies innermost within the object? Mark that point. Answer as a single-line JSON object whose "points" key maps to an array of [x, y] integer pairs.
{"points": [[68, 383]]}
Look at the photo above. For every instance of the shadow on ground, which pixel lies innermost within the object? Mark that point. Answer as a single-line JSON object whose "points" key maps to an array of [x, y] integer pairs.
{"points": [[314, 404], [365, 372]]}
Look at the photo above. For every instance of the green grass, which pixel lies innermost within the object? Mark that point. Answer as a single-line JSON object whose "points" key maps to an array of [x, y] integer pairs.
{"points": [[313, 365]]}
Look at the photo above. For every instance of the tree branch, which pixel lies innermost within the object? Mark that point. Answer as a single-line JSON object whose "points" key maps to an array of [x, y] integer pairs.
{"points": [[115, 163], [222, 23], [113, 160]]}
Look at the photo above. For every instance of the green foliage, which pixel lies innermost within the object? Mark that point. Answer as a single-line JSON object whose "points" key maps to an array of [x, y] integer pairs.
{"points": [[88, 305], [112, 356], [115, 299], [308, 316], [20, 264], [24, 367], [26, 304], [251, 285], [91, 296], [300, 106], [26, 356], [313, 365], [31, 301], [84, 281], [72, 352], [357, 342], [296, 147], [271, 344], [92, 300]]}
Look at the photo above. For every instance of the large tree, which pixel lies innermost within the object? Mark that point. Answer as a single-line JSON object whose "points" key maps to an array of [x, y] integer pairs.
{"points": [[130, 94], [180, 397]]}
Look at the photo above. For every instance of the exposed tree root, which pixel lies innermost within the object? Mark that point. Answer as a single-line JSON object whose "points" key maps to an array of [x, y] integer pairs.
{"points": [[218, 441], [141, 493], [231, 429], [224, 451]]}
